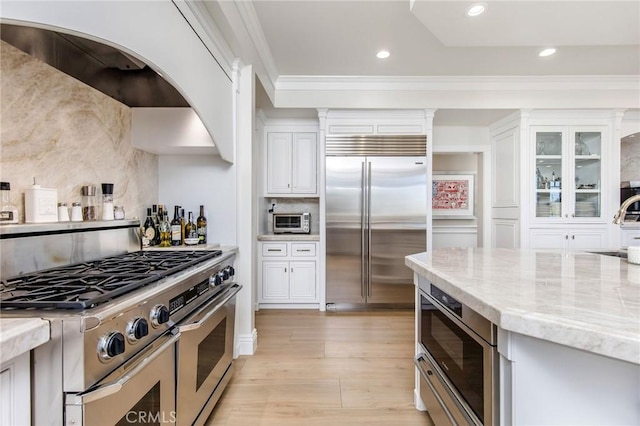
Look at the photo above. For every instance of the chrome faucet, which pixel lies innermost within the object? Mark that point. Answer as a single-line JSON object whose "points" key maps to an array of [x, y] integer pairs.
{"points": [[618, 219]]}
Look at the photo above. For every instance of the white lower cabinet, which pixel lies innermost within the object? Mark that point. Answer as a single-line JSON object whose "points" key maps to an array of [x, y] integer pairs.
{"points": [[579, 239], [288, 274], [15, 391]]}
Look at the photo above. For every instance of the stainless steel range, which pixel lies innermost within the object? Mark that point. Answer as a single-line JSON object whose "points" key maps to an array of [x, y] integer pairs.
{"points": [[137, 338]]}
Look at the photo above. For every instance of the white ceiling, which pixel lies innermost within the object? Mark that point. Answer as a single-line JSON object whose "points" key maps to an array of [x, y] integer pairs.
{"points": [[436, 38], [311, 37]]}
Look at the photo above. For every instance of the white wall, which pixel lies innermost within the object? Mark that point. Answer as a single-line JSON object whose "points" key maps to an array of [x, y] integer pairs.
{"points": [[190, 180]]}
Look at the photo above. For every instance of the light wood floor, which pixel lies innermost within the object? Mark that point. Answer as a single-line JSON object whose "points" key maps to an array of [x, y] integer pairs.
{"points": [[316, 368]]}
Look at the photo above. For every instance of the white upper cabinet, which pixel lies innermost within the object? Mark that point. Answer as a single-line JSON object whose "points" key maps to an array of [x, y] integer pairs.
{"points": [[291, 164], [569, 166]]}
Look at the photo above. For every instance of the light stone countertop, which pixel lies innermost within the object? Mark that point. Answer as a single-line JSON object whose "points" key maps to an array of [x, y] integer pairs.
{"points": [[19, 335], [289, 237], [578, 299]]}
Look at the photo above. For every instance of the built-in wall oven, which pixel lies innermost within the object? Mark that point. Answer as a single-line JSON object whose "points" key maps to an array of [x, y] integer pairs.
{"points": [[457, 361]]}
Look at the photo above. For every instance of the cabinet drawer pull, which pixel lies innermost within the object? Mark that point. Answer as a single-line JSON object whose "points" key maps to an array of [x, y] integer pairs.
{"points": [[274, 249], [300, 250]]}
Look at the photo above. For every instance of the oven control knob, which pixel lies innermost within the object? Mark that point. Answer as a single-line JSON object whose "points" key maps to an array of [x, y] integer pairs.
{"points": [[137, 329], [111, 345], [231, 271], [225, 274], [159, 315], [217, 279]]}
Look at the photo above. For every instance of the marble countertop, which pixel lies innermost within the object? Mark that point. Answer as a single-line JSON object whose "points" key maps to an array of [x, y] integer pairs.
{"points": [[582, 300], [289, 237], [19, 335]]}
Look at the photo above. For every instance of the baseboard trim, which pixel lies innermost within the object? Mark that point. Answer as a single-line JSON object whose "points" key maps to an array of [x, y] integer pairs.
{"points": [[418, 401], [246, 344]]}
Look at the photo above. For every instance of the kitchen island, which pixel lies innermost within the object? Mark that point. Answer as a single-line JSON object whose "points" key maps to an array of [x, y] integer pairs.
{"points": [[568, 329]]}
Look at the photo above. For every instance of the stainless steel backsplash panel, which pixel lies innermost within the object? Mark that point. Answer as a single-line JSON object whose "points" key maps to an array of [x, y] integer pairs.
{"points": [[34, 247]]}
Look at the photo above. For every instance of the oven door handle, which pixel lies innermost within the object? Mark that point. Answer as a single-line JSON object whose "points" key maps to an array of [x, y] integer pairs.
{"points": [[117, 385], [207, 307]]}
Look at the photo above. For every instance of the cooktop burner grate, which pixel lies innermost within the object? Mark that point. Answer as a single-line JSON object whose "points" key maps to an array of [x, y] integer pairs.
{"points": [[88, 284]]}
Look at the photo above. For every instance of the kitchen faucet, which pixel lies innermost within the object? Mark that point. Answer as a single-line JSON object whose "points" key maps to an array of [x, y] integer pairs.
{"points": [[618, 219]]}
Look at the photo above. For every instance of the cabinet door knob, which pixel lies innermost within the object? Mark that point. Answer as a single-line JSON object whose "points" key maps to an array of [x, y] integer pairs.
{"points": [[573, 215], [566, 215], [573, 237], [566, 237]]}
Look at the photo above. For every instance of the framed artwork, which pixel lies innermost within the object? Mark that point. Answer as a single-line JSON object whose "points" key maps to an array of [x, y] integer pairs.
{"points": [[452, 196]]}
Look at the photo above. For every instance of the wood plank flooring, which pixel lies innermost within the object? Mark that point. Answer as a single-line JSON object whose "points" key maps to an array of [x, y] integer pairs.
{"points": [[316, 368]]}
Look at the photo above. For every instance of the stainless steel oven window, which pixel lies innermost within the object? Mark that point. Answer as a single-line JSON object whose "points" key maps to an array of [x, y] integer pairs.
{"points": [[142, 391], [288, 222], [456, 352], [210, 351]]}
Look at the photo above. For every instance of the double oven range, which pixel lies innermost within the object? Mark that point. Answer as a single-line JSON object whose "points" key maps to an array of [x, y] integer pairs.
{"points": [[137, 338], [457, 361]]}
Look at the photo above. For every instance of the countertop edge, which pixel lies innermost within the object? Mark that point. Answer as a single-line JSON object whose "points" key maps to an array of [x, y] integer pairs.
{"points": [[289, 237], [545, 327], [20, 335]]}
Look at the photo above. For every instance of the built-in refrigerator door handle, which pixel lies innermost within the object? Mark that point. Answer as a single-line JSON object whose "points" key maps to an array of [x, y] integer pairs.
{"points": [[369, 275], [363, 195]]}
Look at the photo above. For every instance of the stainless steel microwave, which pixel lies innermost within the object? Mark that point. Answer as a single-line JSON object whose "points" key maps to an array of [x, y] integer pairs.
{"points": [[291, 223]]}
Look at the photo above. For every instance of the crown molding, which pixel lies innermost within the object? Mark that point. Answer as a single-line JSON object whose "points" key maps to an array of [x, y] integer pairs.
{"points": [[252, 25], [457, 83]]}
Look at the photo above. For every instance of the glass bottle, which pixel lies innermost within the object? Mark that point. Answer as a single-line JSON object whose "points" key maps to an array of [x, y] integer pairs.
{"points": [[191, 232], [183, 223], [176, 227], [165, 231], [149, 231], [8, 212], [202, 227], [89, 212]]}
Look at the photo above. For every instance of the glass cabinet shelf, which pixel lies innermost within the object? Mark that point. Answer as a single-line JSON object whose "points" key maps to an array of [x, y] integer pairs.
{"points": [[568, 173]]}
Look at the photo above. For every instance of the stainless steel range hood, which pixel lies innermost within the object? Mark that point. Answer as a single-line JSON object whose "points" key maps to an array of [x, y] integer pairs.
{"points": [[105, 68]]}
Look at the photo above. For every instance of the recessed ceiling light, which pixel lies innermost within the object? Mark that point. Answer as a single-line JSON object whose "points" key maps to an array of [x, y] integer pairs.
{"points": [[383, 54], [476, 9], [547, 52]]}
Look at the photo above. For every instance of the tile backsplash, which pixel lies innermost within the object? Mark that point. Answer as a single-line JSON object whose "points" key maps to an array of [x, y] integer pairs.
{"points": [[66, 135]]}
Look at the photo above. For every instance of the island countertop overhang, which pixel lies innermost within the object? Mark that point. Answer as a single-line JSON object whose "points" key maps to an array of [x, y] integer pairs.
{"points": [[581, 300]]}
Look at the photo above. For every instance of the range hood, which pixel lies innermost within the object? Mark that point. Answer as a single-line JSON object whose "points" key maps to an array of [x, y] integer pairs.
{"points": [[105, 68]]}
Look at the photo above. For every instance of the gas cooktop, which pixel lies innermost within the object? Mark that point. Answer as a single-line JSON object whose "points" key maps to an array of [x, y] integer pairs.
{"points": [[88, 284]]}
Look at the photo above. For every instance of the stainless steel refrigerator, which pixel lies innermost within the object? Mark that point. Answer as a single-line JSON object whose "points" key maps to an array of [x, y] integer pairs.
{"points": [[376, 204]]}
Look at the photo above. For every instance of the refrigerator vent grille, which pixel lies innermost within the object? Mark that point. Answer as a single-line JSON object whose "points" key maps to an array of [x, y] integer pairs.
{"points": [[377, 145]]}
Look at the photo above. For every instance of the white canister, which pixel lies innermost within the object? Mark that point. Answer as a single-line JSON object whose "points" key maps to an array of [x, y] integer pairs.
{"points": [[76, 212], [633, 255], [40, 205], [63, 212]]}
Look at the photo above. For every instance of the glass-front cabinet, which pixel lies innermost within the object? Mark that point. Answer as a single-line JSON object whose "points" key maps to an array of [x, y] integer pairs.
{"points": [[568, 173]]}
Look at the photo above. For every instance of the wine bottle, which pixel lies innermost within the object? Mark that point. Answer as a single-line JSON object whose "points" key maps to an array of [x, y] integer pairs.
{"points": [[202, 227], [176, 227], [165, 231], [183, 223], [191, 232], [149, 230]]}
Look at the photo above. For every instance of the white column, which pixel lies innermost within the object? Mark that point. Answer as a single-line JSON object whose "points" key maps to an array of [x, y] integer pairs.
{"points": [[246, 335]]}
